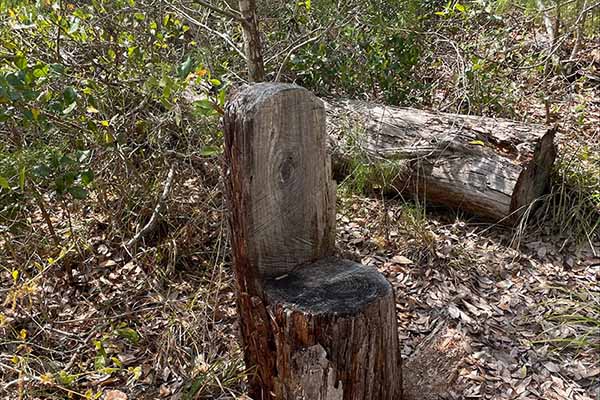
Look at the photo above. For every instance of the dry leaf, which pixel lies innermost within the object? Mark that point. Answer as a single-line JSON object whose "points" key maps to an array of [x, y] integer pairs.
{"points": [[401, 260], [115, 395]]}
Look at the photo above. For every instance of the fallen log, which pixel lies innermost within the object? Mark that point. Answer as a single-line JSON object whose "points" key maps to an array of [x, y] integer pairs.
{"points": [[492, 168]]}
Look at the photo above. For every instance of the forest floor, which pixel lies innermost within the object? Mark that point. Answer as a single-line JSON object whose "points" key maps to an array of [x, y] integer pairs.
{"points": [[484, 311], [497, 313]]}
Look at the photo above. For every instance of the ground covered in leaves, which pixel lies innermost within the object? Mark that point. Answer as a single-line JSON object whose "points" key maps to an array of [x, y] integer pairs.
{"points": [[483, 313], [479, 319]]}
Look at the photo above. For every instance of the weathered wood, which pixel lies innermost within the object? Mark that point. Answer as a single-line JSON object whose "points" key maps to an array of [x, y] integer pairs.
{"points": [[281, 198], [493, 168], [349, 310], [430, 372]]}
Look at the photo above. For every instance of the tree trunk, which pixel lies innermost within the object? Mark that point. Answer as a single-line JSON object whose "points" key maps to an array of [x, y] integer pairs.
{"points": [[493, 168], [312, 326], [252, 42], [333, 340]]}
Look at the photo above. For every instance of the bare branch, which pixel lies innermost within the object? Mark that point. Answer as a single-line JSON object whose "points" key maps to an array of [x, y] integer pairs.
{"points": [[292, 50], [157, 210], [233, 15], [209, 29]]}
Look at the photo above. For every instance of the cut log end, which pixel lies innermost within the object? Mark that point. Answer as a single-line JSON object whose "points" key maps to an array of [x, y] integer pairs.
{"points": [[348, 310], [535, 177], [330, 286]]}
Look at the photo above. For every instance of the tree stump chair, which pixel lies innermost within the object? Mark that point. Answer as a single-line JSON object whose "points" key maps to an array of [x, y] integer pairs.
{"points": [[313, 326]]}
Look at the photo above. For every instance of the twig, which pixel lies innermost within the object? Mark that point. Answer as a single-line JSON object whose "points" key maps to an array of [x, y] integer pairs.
{"points": [[159, 206], [287, 49], [292, 50], [226, 13], [40, 201], [209, 29]]}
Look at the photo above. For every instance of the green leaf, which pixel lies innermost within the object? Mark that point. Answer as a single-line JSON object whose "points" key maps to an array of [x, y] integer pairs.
{"points": [[108, 370], [130, 334], [99, 362], [40, 72], [4, 183], [136, 372], [460, 7], [78, 192], [66, 378], [101, 356], [221, 97], [117, 362], [209, 151], [87, 177], [57, 68], [185, 68], [20, 61], [203, 108], [70, 95], [477, 142], [41, 171]]}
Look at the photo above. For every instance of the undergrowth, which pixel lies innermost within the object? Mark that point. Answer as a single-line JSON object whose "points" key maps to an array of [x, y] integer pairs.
{"points": [[572, 208]]}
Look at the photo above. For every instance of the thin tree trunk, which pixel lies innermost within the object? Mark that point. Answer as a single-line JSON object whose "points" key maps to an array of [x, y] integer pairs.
{"points": [[579, 32], [252, 42], [547, 22]]}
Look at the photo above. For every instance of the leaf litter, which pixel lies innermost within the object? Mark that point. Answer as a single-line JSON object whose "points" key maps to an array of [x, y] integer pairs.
{"points": [[478, 318]]}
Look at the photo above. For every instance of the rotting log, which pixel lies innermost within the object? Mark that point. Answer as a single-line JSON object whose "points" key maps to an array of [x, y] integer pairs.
{"points": [[493, 168], [312, 326]]}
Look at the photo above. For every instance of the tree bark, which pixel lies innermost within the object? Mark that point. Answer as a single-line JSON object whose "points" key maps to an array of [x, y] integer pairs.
{"points": [[312, 326], [335, 336], [252, 42], [493, 168]]}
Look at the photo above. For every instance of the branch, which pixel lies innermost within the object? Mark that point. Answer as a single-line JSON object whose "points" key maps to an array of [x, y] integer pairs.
{"points": [[206, 27], [292, 51], [226, 13], [159, 206]]}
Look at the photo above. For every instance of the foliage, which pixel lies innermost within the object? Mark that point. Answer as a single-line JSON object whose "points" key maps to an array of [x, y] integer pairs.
{"points": [[573, 206], [360, 49], [81, 83]]}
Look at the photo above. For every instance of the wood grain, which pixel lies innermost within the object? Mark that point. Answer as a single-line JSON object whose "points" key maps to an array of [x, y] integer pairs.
{"points": [[282, 172], [494, 168], [312, 326]]}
